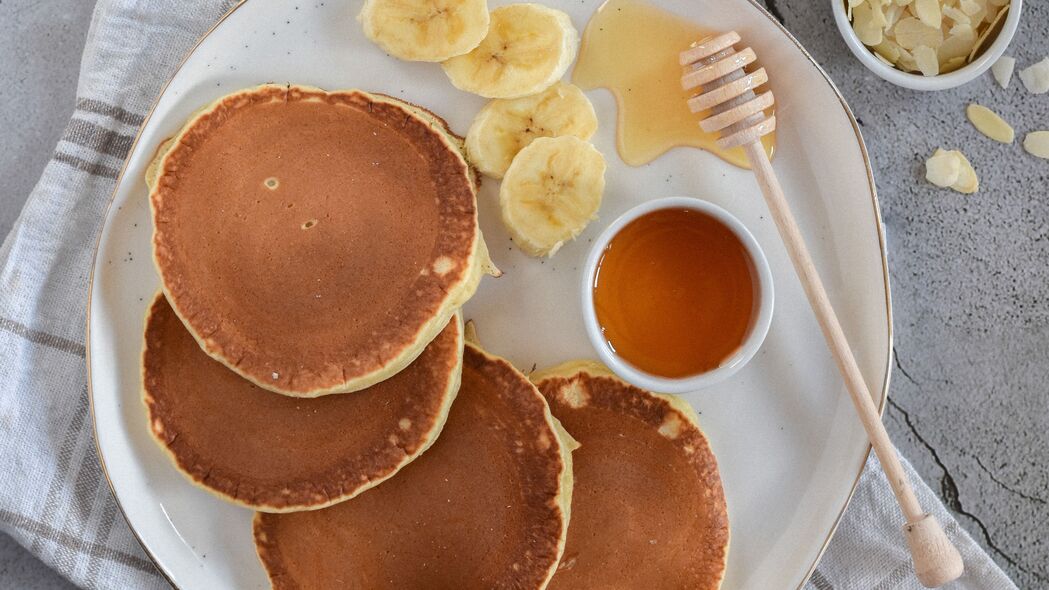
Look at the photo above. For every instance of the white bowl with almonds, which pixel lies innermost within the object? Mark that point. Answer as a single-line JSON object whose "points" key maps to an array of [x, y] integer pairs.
{"points": [[927, 44]]}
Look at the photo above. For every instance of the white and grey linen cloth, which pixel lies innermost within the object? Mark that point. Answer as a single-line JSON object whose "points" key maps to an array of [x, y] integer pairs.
{"points": [[53, 497]]}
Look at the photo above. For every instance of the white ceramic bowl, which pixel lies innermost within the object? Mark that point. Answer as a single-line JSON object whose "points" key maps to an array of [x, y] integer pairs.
{"points": [[759, 325], [962, 75]]}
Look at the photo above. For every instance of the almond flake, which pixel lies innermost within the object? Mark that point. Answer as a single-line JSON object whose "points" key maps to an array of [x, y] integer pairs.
{"points": [[956, 15], [929, 12], [892, 14], [967, 181], [893, 29], [863, 24], [956, 45], [911, 32], [989, 123], [1003, 70], [1036, 77], [952, 64], [1037, 144], [926, 59], [987, 30], [943, 168], [888, 50], [878, 15]]}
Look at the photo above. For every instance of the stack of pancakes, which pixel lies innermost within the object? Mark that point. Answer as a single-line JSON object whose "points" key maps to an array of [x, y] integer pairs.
{"points": [[314, 250]]}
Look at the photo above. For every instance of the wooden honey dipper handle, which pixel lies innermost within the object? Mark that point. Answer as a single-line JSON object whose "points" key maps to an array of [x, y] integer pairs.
{"points": [[732, 108]]}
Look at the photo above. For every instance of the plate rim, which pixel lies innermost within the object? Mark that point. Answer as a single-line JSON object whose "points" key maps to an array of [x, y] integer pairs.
{"points": [[879, 227]]}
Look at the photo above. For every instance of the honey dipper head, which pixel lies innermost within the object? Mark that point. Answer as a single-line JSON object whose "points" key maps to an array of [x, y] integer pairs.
{"points": [[726, 96]]}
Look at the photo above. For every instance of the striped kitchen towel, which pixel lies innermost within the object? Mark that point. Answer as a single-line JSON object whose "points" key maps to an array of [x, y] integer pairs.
{"points": [[53, 497]]}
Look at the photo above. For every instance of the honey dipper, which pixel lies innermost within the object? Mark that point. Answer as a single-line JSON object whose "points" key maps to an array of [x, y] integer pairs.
{"points": [[726, 95]]}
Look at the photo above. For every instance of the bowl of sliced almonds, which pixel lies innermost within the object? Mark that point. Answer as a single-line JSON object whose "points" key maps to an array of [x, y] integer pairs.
{"points": [[927, 44]]}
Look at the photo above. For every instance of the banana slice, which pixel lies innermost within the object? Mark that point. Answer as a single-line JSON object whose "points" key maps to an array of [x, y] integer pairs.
{"points": [[504, 127], [425, 30], [527, 49], [551, 192]]}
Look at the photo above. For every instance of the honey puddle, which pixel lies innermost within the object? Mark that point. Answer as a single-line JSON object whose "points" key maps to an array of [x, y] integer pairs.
{"points": [[631, 48], [675, 293]]}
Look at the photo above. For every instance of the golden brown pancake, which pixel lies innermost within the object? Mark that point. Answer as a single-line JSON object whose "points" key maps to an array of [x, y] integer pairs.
{"points": [[648, 509], [312, 241], [485, 507], [277, 453]]}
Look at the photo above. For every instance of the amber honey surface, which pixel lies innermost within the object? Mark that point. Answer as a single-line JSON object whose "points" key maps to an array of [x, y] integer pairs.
{"points": [[675, 293], [631, 48]]}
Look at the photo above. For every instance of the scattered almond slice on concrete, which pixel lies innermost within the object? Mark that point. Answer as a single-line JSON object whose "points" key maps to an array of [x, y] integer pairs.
{"points": [[1036, 77], [951, 169], [1037, 144], [1003, 70], [943, 168], [989, 123], [967, 182]]}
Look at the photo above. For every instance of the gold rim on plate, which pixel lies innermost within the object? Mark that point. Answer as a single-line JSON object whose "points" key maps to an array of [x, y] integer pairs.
{"points": [[874, 201]]}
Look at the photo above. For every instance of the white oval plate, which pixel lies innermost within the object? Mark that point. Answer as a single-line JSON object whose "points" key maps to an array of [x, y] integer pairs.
{"points": [[788, 443]]}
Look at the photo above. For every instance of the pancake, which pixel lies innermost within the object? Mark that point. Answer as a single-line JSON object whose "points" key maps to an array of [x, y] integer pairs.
{"points": [[485, 507], [436, 122], [648, 509], [276, 453], [315, 242]]}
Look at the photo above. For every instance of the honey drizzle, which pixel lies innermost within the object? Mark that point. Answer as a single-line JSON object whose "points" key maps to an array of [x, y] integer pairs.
{"points": [[631, 48]]}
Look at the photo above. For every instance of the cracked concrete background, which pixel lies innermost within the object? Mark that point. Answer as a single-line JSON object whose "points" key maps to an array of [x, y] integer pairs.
{"points": [[970, 283], [970, 274]]}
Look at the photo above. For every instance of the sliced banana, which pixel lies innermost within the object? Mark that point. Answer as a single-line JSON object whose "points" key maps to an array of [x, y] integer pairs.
{"points": [[425, 30], [527, 49], [551, 192], [505, 126]]}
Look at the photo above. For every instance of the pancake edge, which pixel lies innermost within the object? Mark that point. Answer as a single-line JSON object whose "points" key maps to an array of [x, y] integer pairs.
{"points": [[563, 501], [565, 444], [574, 368], [478, 263], [441, 419]]}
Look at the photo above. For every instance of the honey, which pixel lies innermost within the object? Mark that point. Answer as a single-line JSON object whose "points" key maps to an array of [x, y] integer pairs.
{"points": [[631, 48], [675, 293]]}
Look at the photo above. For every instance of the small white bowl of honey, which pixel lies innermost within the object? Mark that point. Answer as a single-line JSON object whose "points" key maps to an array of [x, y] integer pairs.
{"points": [[677, 295]]}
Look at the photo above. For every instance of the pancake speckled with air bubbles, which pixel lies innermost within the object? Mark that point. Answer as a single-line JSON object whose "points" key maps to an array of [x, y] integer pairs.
{"points": [[277, 453], [315, 242], [487, 506], [648, 508]]}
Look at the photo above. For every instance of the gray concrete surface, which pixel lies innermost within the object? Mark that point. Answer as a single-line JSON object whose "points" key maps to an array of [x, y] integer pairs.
{"points": [[20, 570], [40, 45], [969, 407], [970, 283]]}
